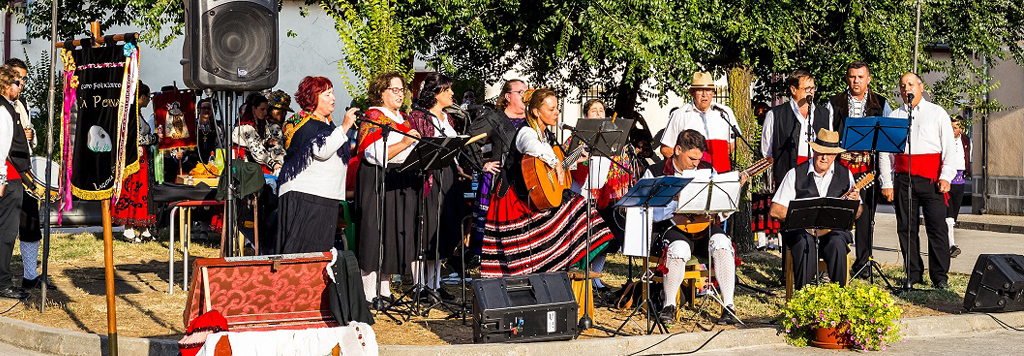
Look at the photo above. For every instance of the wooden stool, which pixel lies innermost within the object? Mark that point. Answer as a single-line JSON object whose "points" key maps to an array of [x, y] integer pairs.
{"points": [[581, 285], [788, 268]]}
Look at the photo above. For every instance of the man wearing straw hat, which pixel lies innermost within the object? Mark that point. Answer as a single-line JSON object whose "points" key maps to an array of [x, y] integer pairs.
{"points": [[704, 115], [819, 177]]}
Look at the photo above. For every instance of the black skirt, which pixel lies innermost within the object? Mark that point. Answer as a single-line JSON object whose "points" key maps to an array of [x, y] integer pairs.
{"points": [[401, 199], [307, 222], [443, 193]]}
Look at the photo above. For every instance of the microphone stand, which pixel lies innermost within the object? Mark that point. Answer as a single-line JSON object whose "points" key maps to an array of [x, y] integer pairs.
{"points": [[912, 213]]}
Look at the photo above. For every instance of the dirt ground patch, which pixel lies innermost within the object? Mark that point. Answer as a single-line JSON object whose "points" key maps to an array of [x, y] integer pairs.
{"points": [[144, 309]]}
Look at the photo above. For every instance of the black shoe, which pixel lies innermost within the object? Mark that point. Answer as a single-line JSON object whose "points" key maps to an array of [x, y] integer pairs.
{"points": [[13, 293], [941, 285], [954, 251], [728, 316], [667, 315], [910, 282], [444, 295], [34, 283], [425, 295]]}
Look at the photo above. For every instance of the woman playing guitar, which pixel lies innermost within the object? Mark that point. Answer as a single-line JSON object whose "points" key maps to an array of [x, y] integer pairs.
{"points": [[520, 238]]}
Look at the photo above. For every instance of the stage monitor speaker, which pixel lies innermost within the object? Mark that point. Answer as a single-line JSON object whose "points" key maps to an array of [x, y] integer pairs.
{"points": [[230, 44], [535, 307], [997, 284]]}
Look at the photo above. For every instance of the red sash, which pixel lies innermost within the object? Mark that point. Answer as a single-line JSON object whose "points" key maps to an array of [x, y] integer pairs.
{"points": [[800, 159], [856, 168], [925, 165], [12, 173], [718, 155]]}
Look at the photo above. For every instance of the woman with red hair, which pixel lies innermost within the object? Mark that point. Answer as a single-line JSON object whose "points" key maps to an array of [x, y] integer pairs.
{"points": [[312, 178]]}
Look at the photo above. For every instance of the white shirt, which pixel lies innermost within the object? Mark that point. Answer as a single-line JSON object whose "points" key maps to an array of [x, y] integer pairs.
{"points": [[325, 176], [857, 111], [528, 142], [803, 150], [446, 128], [958, 155], [787, 189], [931, 132], [377, 151], [713, 124], [6, 137], [599, 168]]}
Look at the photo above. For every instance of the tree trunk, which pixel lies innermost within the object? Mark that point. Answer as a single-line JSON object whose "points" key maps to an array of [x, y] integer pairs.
{"points": [[625, 98], [740, 78]]}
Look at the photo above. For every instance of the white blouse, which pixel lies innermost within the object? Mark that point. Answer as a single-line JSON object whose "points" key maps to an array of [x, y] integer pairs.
{"points": [[377, 151]]}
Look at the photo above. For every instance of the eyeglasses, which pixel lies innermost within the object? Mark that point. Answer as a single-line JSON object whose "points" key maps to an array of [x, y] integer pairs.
{"points": [[520, 92], [396, 90], [809, 89]]}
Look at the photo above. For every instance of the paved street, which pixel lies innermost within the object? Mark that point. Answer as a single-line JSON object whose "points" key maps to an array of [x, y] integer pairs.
{"points": [[971, 242], [995, 343]]}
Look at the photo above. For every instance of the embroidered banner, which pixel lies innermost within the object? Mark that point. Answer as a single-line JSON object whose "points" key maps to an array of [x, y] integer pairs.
{"points": [[174, 114], [99, 135]]}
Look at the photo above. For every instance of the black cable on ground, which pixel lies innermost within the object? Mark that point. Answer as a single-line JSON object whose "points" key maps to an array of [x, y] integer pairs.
{"points": [[675, 353], [1003, 323], [12, 307]]}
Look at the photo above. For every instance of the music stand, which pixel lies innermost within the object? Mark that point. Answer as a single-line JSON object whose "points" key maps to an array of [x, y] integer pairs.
{"points": [[711, 194], [603, 138], [820, 213], [647, 193], [436, 153], [876, 134]]}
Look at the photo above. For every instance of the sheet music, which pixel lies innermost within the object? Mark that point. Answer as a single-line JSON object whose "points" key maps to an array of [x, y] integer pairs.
{"points": [[637, 240], [715, 193]]}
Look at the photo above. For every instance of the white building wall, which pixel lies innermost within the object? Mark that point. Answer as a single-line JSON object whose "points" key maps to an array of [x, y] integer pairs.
{"points": [[316, 51]]}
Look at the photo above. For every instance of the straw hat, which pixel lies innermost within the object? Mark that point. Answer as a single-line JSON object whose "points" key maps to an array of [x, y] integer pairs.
{"points": [[702, 80], [827, 142]]}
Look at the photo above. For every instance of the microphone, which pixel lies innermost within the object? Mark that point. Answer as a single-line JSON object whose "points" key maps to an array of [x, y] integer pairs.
{"points": [[910, 100], [810, 99], [568, 127]]}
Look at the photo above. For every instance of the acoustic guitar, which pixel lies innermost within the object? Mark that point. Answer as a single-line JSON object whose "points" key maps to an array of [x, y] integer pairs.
{"points": [[692, 224], [542, 181], [865, 181]]}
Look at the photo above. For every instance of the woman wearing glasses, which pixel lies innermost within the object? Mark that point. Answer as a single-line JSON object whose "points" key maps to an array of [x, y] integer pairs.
{"points": [[396, 222], [520, 239]]}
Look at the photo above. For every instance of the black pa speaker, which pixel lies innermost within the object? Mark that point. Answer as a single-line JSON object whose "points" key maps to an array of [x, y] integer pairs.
{"points": [[997, 284], [230, 44], [535, 307]]}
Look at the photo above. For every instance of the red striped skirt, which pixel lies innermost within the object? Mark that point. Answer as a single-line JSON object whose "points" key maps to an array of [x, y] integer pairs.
{"points": [[518, 240]]}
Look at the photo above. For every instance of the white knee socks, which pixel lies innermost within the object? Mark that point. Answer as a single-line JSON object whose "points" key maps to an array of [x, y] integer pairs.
{"points": [[427, 273], [370, 285], [673, 279], [30, 258], [949, 224], [725, 272]]}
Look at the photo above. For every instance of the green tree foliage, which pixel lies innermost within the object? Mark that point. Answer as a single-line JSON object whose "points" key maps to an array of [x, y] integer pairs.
{"points": [[373, 36], [161, 20]]}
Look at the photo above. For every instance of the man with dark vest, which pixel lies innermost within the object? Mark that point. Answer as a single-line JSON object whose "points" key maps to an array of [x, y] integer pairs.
{"points": [[818, 178], [14, 162], [927, 166], [790, 126], [859, 101]]}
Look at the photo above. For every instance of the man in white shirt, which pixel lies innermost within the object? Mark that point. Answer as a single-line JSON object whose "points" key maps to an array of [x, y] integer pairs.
{"points": [[818, 178], [715, 121], [859, 101], [790, 126], [926, 166]]}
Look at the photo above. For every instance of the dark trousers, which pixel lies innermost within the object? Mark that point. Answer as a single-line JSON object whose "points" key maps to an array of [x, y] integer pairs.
{"points": [[804, 250], [926, 197], [864, 234], [10, 216]]}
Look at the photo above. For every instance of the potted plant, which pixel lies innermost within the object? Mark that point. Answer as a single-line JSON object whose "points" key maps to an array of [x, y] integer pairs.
{"points": [[857, 316]]}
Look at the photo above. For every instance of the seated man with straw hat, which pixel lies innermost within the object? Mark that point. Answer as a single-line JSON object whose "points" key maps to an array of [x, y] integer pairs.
{"points": [[819, 177]]}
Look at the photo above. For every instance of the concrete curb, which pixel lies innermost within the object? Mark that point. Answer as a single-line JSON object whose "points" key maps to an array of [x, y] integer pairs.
{"points": [[65, 342], [1008, 229]]}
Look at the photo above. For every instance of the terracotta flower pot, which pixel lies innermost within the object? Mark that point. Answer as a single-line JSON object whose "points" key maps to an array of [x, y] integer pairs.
{"points": [[832, 338]]}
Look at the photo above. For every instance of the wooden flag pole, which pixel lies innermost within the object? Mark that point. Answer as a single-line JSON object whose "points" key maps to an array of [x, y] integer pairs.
{"points": [[108, 252]]}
